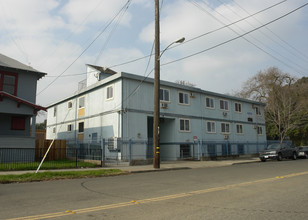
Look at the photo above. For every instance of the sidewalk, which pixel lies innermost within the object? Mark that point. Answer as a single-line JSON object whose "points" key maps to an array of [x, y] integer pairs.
{"points": [[164, 166]]}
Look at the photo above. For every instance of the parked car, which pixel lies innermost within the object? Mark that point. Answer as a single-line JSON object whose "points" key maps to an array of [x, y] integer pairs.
{"points": [[278, 151], [303, 152]]}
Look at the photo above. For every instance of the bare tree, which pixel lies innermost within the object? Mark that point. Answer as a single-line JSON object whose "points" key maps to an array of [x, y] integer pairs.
{"points": [[276, 89], [185, 83]]}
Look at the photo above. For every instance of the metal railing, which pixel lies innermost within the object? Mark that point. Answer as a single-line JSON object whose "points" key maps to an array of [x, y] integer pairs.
{"points": [[110, 152]]}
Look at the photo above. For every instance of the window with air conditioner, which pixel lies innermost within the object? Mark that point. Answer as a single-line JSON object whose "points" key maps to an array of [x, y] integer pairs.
{"points": [[225, 128], [224, 105]]}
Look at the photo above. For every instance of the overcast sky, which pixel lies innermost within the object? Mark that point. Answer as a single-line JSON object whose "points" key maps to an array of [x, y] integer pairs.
{"points": [[60, 36]]}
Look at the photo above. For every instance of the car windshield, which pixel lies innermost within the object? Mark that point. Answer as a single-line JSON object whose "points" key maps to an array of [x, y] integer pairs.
{"points": [[304, 148], [273, 146]]}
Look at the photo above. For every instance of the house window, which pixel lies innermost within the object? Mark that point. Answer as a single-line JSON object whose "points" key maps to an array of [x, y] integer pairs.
{"points": [[80, 127], [258, 112], [259, 130], [55, 111], [224, 105], [18, 123], [184, 125], [69, 127], [81, 102], [209, 103], [8, 83], [211, 127], [110, 92], [183, 98], [164, 95], [225, 128], [238, 107], [239, 129], [70, 104]]}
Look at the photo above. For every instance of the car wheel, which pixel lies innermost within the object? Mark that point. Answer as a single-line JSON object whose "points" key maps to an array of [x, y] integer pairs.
{"points": [[279, 157], [294, 156], [306, 155], [263, 159]]}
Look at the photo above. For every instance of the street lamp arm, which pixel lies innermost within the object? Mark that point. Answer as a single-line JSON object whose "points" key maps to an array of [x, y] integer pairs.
{"points": [[175, 42]]}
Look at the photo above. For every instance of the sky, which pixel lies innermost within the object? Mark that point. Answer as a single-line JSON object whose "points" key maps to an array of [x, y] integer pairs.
{"points": [[227, 41]]}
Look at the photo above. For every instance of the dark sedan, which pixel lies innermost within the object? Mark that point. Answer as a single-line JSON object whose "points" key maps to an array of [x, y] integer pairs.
{"points": [[303, 152], [278, 151]]}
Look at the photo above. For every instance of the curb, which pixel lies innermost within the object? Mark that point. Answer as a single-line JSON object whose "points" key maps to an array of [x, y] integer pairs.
{"points": [[158, 170]]}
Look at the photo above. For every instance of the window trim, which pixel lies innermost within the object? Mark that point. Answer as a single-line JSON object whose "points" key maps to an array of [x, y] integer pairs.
{"points": [[55, 109], [258, 129], [112, 97], [163, 100], [189, 125], [210, 132], [240, 104], [223, 132], [225, 101], [84, 102], [258, 112], [237, 129], [184, 93], [81, 132], [213, 102], [69, 104], [69, 126], [2, 74]]}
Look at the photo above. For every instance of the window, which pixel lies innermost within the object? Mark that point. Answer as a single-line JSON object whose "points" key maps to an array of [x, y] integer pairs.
{"points": [[69, 127], [225, 128], [69, 104], [8, 82], [224, 105], [239, 129], [54, 130], [211, 127], [18, 123], [55, 111], [164, 95], [259, 130], [258, 112], [109, 92], [183, 98], [80, 127], [184, 125], [81, 102], [209, 102], [238, 107]]}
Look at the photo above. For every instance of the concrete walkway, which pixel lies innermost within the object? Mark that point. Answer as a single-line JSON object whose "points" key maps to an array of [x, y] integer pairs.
{"points": [[164, 166]]}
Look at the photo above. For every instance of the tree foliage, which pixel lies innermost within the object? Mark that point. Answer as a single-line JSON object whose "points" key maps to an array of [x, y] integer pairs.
{"points": [[285, 98]]}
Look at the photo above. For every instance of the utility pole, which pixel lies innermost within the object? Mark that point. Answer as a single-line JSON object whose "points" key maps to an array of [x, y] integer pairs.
{"points": [[156, 147]]}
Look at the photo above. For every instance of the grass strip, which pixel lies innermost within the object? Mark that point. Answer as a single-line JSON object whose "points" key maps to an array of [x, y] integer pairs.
{"points": [[48, 175], [56, 164]]}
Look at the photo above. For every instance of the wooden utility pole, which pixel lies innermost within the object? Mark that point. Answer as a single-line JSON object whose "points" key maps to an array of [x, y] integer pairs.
{"points": [[156, 147]]}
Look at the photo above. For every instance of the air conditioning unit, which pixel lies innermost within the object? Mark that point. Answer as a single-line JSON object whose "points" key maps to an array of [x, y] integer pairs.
{"points": [[255, 126], [226, 137], [114, 144], [192, 95], [224, 113], [164, 105]]}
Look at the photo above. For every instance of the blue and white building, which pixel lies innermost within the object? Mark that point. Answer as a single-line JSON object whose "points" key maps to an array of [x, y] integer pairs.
{"points": [[119, 106]]}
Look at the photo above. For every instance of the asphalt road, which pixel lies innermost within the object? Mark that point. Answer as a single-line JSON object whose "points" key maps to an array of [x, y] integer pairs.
{"points": [[271, 190]]}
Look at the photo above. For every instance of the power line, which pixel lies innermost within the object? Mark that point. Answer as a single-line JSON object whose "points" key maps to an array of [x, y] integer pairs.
{"points": [[126, 5], [240, 36], [246, 39]]}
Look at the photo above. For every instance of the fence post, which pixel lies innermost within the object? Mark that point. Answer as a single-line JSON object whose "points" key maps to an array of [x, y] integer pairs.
{"points": [[103, 152], [130, 150], [76, 156], [199, 149]]}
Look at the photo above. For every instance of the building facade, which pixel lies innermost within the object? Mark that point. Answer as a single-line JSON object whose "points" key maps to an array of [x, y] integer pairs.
{"points": [[120, 105], [17, 103]]}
